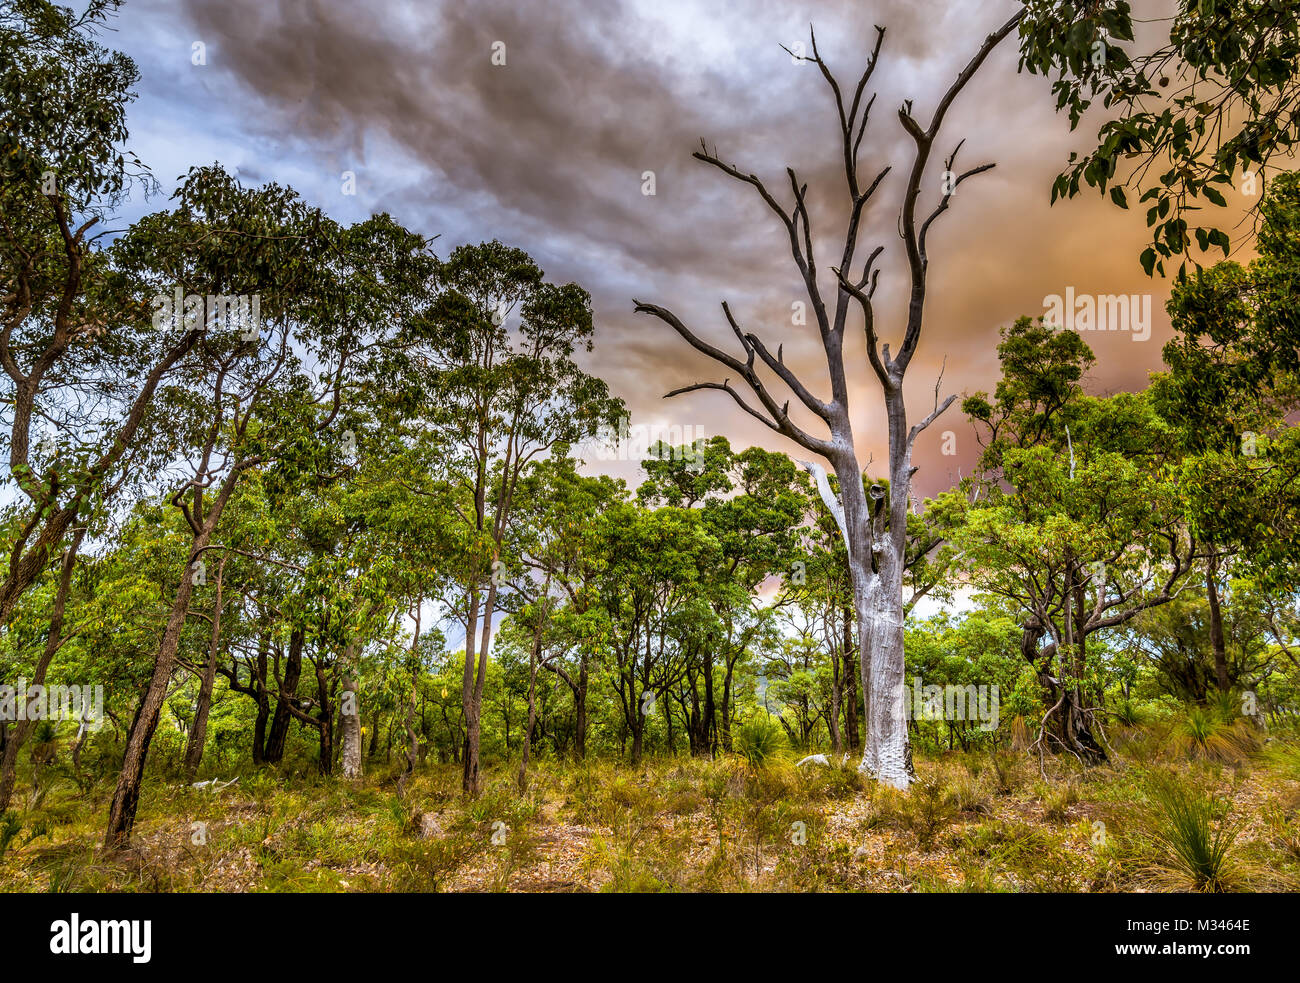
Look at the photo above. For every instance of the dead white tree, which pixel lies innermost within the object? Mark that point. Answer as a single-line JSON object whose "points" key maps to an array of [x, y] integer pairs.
{"points": [[876, 528]]}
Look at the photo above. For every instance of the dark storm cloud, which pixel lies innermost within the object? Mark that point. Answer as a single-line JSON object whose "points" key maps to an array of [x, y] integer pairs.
{"points": [[548, 151]]}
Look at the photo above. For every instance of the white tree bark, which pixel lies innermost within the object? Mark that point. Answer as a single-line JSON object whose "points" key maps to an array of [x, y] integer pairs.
{"points": [[350, 714], [878, 604], [877, 555]]}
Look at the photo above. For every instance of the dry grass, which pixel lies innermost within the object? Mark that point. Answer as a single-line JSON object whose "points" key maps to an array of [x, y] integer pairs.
{"points": [[972, 822]]}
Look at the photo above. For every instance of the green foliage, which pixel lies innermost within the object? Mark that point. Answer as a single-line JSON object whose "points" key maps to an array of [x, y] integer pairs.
{"points": [[760, 740], [1202, 733], [394, 467], [1212, 99], [10, 827], [927, 809], [1192, 834]]}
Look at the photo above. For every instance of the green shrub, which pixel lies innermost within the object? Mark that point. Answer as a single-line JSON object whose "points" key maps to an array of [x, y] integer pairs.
{"points": [[1201, 734], [9, 827], [1008, 771], [1128, 713], [1191, 835], [759, 740]]}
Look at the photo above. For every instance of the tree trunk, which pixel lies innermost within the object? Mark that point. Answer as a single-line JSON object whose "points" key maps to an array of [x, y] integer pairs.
{"points": [[199, 730], [580, 734], [1216, 625], [850, 682], [878, 603], [126, 796], [833, 718], [288, 693], [472, 692], [53, 642], [263, 702], [412, 739], [324, 720], [710, 723], [726, 707], [469, 752], [887, 752], [350, 714], [533, 654], [638, 730], [1067, 726]]}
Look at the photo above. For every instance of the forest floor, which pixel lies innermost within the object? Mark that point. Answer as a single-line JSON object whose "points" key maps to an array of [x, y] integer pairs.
{"points": [[973, 822]]}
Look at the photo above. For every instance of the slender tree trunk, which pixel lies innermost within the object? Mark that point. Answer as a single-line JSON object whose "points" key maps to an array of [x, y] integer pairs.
{"points": [[638, 732], [580, 733], [325, 719], [1216, 625], [126, 797], [350, 713], [412, 739], [850, 682], [53, 641], [469, 702], [710, 723], [199, 730], [533, 655], [288, 693], [83, 731], [833, 718], [263, 701], [726, 707], [475, 677]]}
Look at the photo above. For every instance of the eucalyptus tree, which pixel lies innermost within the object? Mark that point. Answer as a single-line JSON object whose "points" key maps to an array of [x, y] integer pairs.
{"points": [[220, 241], [752, 502], [1230, 393], [393, 530], [978, 649], [653, 588], [876, 556], [497, 357], [1231, 383], [561, 544], [266, 386], [800, 689], [1204, 97], [401, 494], [57, 634], [1178, 642], [1077, 523], [81, 358]]}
